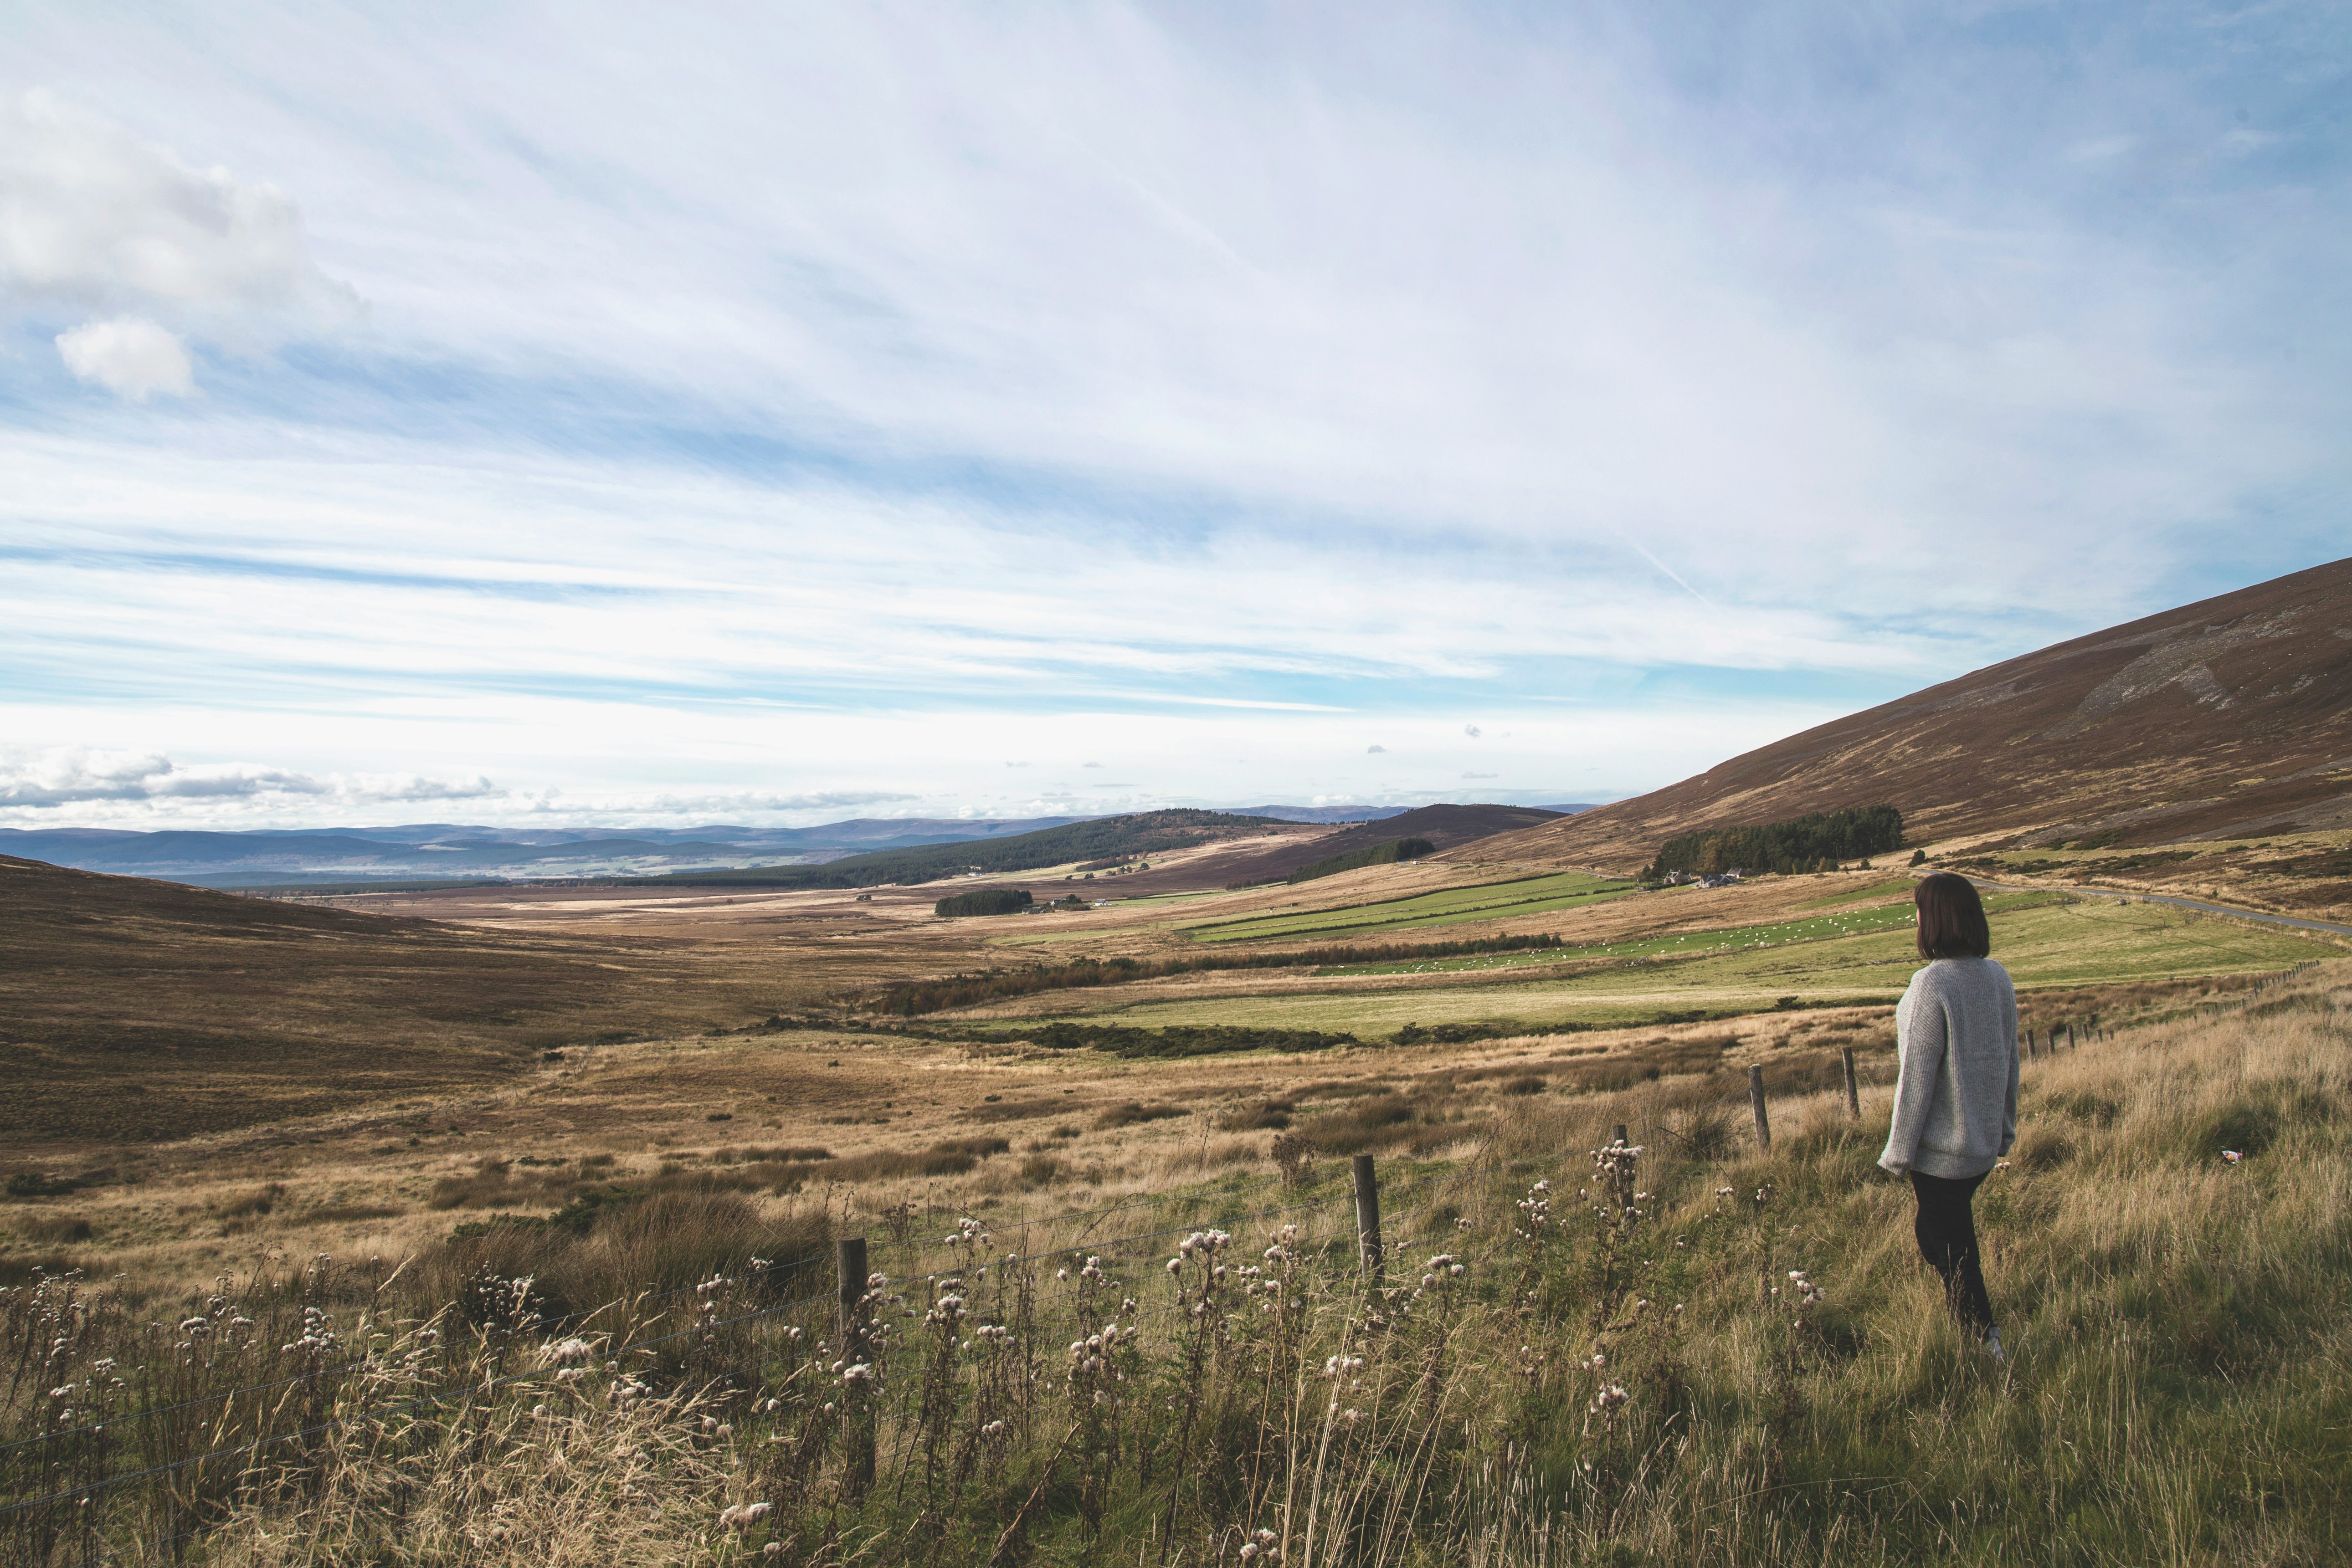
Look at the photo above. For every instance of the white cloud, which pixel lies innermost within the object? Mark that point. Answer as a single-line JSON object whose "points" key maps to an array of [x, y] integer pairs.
{"points": [[77, 775], [956, 358], [127, 355], [91, 215]]}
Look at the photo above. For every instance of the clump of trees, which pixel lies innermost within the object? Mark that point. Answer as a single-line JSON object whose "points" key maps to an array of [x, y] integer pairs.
{"points": [[1370, 854], [1800, 844], [984, 901]]}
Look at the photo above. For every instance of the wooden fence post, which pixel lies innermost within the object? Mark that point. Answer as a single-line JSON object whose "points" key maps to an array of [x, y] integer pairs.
{"points": [[2070, 1037], [1852, 1089], [849, 1335], [1620, 1134], [1368, 1216], [1756, 1103]]}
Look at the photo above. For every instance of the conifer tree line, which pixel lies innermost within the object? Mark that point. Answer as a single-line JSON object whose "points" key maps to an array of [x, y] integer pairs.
{"points": [[1814, 843], [1389, 854]]}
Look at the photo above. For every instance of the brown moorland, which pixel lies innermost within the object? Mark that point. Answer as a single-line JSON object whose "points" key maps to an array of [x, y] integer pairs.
{"points": [[2228, 719], [132, 1010]]}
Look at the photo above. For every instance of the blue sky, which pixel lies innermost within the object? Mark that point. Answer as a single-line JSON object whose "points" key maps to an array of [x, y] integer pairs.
{"points": [[638, 415]]}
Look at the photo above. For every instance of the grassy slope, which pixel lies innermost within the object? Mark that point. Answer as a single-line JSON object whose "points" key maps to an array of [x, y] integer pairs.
{"points": [[134, 1010], [2180, 1393], [1452, 906], [2042, 944]]}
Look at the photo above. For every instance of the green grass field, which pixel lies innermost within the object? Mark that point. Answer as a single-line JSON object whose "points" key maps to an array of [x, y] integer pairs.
{"points": [[2045, 941], [1451, 906], [1692, 943]]}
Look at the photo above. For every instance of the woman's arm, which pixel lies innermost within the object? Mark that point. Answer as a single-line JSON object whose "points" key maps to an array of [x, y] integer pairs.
{"points": [[1919, 1036], [2008, 1114]]}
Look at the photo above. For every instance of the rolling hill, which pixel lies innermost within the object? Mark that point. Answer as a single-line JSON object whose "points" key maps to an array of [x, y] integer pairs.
{"points": [[1096, 839], [1445, 826], [2228, 719], [311, 857]]}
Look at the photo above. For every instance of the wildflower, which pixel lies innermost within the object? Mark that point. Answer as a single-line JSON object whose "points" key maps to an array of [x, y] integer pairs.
{"points": [[1611, 1398], [744, 1514], [570, 1352]]}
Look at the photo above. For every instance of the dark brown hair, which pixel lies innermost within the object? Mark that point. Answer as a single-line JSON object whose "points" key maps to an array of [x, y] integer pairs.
{"points": [[1951, 918]]}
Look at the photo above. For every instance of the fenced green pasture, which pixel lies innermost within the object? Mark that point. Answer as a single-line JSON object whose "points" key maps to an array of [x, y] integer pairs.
{"points": [[1449, 906], [2045, 941]]}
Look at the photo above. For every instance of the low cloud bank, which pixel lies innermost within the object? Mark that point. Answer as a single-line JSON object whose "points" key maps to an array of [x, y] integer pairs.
{"points": [[74, 775]]}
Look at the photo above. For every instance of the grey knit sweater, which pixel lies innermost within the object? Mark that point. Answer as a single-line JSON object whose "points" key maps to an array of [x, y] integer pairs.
{"points": [[1956, 1087]]}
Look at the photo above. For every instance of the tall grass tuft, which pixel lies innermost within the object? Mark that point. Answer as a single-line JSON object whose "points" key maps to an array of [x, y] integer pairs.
{"points": [[1671, 1349]]}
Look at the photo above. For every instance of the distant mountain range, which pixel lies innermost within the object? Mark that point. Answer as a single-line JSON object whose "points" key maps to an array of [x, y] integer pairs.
{"points": [[436, 850], [431, 852]]}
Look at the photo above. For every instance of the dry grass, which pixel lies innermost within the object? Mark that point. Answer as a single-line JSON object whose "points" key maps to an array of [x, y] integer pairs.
{"points": [[2178, 1394]]}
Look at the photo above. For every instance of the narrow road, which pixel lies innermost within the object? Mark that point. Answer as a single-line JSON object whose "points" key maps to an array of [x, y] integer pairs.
{"points": [[2175, 902]]}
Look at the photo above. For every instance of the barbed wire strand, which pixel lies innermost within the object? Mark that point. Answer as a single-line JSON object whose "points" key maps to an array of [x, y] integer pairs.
{"points": [[108, 1483]]}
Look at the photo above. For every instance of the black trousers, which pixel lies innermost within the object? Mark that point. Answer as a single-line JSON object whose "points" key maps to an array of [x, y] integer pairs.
{"points": [[1947, 1229]]}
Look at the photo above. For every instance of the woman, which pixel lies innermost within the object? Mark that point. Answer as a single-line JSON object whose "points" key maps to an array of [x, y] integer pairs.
{"points": [[1956, 1088]]}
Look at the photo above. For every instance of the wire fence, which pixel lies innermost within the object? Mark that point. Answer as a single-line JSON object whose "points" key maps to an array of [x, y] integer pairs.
{"points": [[92, 1491], [1420, 1196]]}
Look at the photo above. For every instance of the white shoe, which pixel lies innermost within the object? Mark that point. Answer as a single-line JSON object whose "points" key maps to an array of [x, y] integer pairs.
{"points": [[1992, 1348]]}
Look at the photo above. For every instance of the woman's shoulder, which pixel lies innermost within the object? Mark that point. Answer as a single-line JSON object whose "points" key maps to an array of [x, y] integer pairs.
{"points": [[1955, 973]]}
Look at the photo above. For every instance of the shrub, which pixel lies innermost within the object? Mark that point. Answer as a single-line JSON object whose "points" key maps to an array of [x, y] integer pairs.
{"points": [[251, 1204], [1383, 1121], [31, 1183], [983, 901], [1294, 1155], [1181, 1039], [1132, 1114]]}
